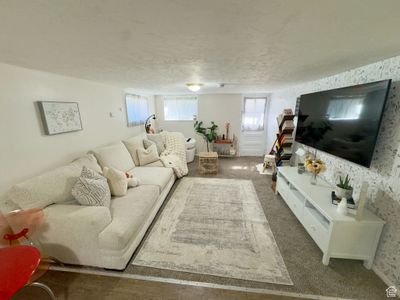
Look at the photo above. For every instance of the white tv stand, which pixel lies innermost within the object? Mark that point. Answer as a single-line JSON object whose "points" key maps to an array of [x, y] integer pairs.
{"points": [[337, 235]]}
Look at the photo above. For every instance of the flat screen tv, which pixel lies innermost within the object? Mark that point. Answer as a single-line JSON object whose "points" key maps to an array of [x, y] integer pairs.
{"points": [[343, 122]]}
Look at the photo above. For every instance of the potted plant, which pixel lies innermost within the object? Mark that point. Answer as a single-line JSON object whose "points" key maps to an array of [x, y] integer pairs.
{"points": [[343, 188], [209, 133]]}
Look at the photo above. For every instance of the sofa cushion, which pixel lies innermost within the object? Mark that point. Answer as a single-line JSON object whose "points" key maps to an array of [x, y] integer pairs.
{"points": [[133, 144], [114, 156], [89, 161], [157, 163], [129, 213], [51, 187], [158, 176], [148, 156], [91, 189]]}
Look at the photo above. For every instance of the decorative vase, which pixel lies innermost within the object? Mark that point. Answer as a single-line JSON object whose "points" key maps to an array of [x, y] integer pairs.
{"points": [[342, 206], [313, 179], [343, 193]]}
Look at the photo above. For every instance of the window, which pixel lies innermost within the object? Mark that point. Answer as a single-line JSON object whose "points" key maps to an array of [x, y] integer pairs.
{"points": [[253, 114], [345, 109], [137, 109], [180, 108]]}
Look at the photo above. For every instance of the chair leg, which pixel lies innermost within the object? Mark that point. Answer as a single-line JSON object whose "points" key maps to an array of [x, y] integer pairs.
{"points": [[44, 287]]}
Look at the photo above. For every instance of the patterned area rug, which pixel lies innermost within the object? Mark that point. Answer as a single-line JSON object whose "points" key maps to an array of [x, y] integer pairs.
{"points": [[215, 227]]}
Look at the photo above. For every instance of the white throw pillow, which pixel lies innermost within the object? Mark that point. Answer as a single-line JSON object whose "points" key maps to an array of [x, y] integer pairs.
{"points": [[148, 155], [148, 143], [159, 140], [117, 181], [114, 156], [92, 189], [133, 144]]}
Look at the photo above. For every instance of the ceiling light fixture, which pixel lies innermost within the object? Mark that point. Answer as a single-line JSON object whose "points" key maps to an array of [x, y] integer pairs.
{"points": [[194, 87]]}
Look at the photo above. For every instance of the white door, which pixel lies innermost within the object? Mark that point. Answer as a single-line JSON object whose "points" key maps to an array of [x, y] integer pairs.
{"points": [[253, 135]]}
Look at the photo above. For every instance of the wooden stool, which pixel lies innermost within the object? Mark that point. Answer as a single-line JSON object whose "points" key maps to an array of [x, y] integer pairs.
{"points": [[208, 163]]}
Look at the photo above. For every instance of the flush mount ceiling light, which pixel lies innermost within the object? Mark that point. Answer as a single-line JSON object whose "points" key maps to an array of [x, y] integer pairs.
{"points": [[194, 87]]}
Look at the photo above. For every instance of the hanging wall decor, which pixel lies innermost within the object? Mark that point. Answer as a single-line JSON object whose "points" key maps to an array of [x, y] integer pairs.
{"points": [[60, 117]]}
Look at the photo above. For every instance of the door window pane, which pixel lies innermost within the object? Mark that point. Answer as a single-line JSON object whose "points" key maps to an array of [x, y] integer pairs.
{"points": [[253, 114]]}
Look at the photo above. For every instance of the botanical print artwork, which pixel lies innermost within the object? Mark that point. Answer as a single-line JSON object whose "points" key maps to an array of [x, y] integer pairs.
{"points": [[60, 117], [384, 175]]}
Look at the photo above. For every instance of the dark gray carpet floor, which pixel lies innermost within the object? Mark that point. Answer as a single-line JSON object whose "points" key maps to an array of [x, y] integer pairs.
{"points": [[342, 278]]}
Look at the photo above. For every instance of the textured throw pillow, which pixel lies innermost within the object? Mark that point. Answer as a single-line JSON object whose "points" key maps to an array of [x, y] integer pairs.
{"points": [[91, 189], [159, 140], [147, 156], [117, 180], [148, 143]]}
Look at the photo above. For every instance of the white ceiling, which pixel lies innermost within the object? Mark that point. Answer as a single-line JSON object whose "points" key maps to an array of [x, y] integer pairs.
{"points": [[157, 46]]}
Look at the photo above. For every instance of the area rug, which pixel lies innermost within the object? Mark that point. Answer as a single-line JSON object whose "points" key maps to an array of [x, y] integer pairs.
{"points": [[215, 227]]}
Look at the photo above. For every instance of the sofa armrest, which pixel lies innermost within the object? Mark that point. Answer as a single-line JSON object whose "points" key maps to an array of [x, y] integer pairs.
{"points": [[71, 232]]}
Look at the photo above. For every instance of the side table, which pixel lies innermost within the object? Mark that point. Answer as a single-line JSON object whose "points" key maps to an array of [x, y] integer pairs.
{"points": [[208, 163]]}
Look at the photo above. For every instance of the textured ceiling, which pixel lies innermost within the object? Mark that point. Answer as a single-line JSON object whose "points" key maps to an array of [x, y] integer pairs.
{"points": [[157, 46]]}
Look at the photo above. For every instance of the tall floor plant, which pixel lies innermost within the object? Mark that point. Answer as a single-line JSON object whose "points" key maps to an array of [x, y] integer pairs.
{"points": [[208, 133]]}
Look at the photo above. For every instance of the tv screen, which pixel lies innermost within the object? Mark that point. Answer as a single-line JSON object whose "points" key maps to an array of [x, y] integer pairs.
{"points": [[343, 122]]}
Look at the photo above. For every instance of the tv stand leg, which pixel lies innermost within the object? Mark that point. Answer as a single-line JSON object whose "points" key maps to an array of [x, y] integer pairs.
{"points": [[368, 263], [325, 259]]}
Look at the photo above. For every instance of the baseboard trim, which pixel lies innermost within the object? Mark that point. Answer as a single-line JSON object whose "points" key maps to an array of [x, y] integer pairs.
{"points": [[192, 283]]}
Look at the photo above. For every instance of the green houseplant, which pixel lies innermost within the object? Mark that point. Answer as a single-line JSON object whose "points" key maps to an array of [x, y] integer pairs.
{"points": [[209, 133], [343, 188]]}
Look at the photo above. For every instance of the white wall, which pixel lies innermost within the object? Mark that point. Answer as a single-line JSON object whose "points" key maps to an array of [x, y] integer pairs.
{"points": [[220, 108], [25, 150]]}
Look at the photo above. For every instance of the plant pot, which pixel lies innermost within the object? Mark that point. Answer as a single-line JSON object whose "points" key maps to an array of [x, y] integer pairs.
{"points": [[343, 193]]}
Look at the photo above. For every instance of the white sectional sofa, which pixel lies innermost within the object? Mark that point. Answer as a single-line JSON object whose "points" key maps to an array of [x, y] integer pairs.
{"points": [[95, 235]]}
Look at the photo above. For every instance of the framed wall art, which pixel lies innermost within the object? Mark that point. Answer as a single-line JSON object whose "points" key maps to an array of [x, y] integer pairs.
{"points": [[60, 117]]}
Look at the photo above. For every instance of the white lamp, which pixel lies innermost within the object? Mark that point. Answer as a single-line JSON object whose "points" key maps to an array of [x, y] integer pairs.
{"points": [[194, 87]]}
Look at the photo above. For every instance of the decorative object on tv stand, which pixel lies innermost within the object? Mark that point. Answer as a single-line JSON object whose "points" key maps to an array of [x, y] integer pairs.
{"points": [[209, 133], [315, 166], [300, 155], [147, 124], [362, 200], [60, 117], [343, 189], [342, 206]]}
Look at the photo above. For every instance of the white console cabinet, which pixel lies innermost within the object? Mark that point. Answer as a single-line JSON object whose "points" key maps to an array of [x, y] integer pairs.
{"points": [[337, 235]]}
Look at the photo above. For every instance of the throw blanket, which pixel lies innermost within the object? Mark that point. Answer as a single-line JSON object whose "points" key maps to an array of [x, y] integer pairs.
{"points": [[174, 155]]}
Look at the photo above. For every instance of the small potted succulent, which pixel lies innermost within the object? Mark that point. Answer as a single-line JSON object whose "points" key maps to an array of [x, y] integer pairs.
{"points": [[343, 188]]}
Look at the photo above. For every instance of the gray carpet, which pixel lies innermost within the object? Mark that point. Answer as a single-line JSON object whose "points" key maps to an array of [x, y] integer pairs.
{"points": [[217, 227], [342, 278]]}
